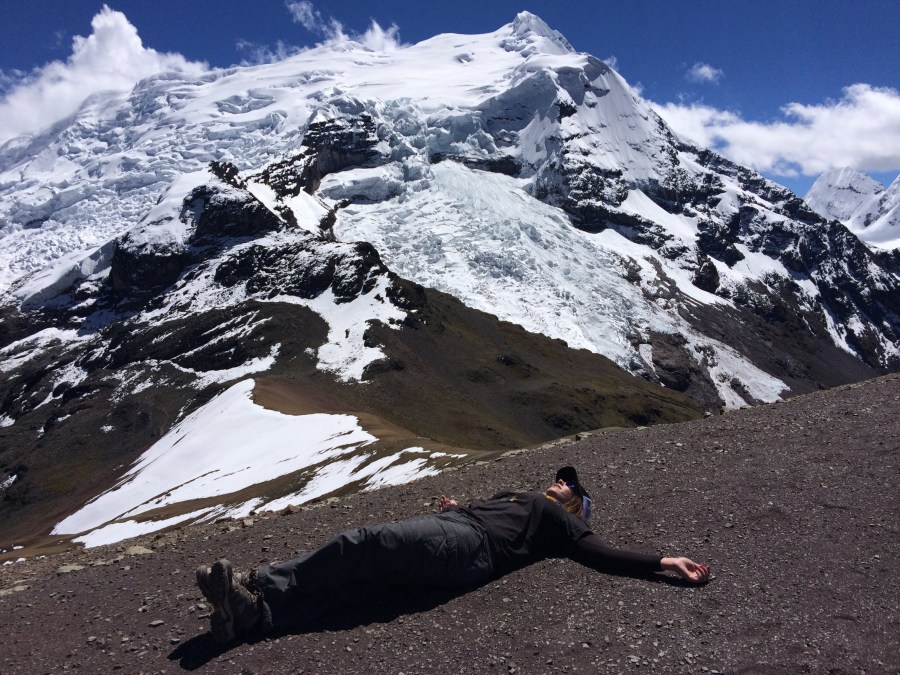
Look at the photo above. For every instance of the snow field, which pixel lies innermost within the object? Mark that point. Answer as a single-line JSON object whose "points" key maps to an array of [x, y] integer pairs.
{"points": [[861, 203], [72, 190], [231, 444]]}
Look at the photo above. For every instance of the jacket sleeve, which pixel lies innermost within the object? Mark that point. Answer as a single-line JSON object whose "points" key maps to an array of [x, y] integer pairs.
{"points": [[592, 551]]}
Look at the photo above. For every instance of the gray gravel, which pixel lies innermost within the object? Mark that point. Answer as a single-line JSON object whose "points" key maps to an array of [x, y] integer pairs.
{"points": [[795, 506]]}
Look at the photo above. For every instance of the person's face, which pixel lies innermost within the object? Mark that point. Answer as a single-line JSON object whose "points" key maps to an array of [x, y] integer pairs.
{"points": [[560, 491]]}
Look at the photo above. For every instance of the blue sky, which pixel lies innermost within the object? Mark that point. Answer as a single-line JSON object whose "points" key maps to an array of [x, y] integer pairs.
{"points": [[790, 87]]}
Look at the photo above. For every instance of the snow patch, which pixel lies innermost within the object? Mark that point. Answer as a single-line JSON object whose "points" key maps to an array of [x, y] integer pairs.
{"points": [[231, 444], [394, 469], [21, 351], [397, 473], [345, 354], [167, 224], [115, 532], [227, 445]]}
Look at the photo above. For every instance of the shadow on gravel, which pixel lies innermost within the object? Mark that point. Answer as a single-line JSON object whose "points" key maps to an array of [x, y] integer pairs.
{"points": [[198, 651], [381, 606]]}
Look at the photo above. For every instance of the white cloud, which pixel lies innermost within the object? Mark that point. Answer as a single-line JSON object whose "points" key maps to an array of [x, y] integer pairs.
{"points": [[860, 130], [381, 39], [10, 78], [703, 72], [258, 53], [332, 30], [111, 58], [305, 14], [612, 62]]}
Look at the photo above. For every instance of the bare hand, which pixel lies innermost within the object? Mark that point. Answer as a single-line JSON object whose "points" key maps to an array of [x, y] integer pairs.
{"points": [[445, 503], [697, 573]]}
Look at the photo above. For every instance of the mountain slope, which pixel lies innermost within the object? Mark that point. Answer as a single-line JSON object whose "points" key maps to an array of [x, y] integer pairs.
{"points": [[518, 101], [213, 287], [862, 204], [288, 223], [804, 490]]}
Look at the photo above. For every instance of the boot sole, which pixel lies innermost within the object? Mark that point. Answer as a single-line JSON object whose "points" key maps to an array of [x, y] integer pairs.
{"points": [[215, 583]]}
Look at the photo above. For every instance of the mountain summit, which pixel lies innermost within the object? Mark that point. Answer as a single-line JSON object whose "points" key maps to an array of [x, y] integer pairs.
{"points": [[468, 244], [861, 203]]}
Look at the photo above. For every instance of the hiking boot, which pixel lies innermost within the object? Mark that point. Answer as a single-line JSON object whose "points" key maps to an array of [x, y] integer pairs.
{"points": [[236, 609]]}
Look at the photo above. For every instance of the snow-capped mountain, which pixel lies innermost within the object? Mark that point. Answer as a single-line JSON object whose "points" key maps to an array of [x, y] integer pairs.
{"points": [[347, 227], [861, 203]]}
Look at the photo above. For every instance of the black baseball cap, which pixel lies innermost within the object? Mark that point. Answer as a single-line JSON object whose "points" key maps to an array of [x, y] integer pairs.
{"points": [[570, 475]]}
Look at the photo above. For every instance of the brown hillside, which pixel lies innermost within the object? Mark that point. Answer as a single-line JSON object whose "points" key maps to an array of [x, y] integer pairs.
{"points": [[794, 504]]}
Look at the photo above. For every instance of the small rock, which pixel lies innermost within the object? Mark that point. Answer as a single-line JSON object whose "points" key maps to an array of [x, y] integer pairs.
{"points": [[155, 623], [65, 569], [137, 550]]}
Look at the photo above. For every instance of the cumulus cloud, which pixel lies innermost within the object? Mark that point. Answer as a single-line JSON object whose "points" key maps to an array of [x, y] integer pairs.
{"points": [[111, 58], [703, 72], [332, 30], [860, 130]]}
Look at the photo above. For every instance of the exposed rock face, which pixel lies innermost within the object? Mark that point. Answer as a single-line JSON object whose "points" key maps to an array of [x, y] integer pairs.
{"points": [[226, 215], [333, 141], [217, 215], [349, 271], [680, 370], [145, 271]]}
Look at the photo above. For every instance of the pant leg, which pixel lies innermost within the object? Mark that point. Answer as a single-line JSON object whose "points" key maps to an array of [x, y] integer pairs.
{"points": [[448, 550]]}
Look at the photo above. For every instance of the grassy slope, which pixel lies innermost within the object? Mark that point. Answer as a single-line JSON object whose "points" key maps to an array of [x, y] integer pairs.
{"points": [[465, 379]]}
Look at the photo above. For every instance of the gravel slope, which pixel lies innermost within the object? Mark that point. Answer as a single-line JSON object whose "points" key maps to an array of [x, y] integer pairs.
{"points": [[794, 504]]}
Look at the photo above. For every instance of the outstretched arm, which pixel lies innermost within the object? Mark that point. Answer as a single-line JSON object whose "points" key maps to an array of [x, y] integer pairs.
{"points": [[592, 551]]}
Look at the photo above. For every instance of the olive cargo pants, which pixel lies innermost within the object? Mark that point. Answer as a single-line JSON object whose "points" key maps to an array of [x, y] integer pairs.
{"points": [[448, 550]]}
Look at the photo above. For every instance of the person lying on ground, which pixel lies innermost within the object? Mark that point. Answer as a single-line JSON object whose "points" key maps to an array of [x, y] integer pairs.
{"points": [[461, 547]]}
